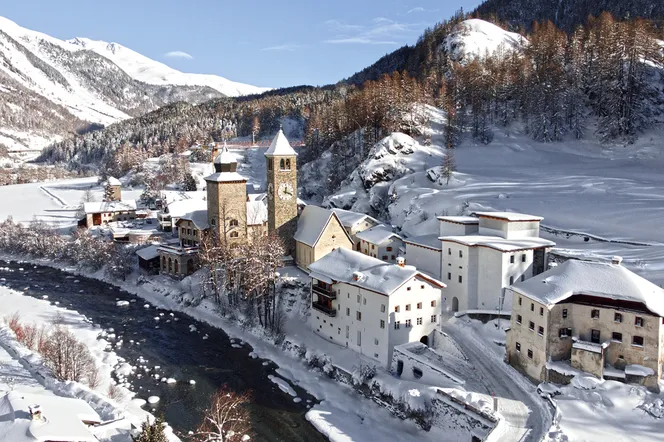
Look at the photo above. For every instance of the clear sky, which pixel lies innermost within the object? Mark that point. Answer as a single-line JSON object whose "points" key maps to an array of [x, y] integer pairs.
{"points": [[260, 42]]}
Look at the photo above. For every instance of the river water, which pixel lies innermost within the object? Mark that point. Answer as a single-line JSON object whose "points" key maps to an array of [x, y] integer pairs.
{"points": [[181, 353]]}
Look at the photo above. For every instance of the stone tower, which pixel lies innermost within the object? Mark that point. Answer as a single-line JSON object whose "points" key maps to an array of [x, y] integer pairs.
{"points": [[282, 191], [227, 199]]}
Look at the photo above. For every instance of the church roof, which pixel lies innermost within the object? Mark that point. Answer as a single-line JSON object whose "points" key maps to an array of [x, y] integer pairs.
{"points": [[312, 224], [225, 157], [280, 146]]}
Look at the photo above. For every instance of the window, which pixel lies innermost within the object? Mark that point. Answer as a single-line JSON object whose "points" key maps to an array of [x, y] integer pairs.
{"points": [[433, 318], [358, 298], [617, 317], [530, 354], [617, 337], [419, 321], [637, 341], [422, 286], [523, 278], [449, 276], [358, 316], [594, 336], [540, 330], [396, 309], [373, 246], [541, 311], [389, 249], [407, 307], [364, 301], [393, 258], [638, 321], [511, 259], [460, 253], [382, 308], [375, 341], [564, 313], [531, 326], [407, 289], [347, 311], [518, 347], [519, 300], [518, 319], [269, 165], [460, 278], [511, 280], [234, 223], [213, 221], [382, 324], [523, 257], [564, 332], [397, 324], [433, 303], [417, 373], [408, 323], [419, 306], [594, 313], [234, 234], [282, 164], [449, 251], [384, 258], [532, 307], [287, 164]]}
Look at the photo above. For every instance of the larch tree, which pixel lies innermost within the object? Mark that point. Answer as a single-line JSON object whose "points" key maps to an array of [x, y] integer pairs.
{"points": [[227, 419]]}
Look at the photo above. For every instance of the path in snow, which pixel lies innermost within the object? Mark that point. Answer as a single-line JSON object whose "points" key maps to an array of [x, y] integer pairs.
{"points": [[527, 416]]}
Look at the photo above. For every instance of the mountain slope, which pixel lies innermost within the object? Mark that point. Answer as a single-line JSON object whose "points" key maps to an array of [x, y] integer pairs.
{"points": [[51, 88], [476, 38]]}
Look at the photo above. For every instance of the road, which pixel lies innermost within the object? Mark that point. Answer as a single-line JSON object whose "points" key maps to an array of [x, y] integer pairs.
{"points": [[527, 416]]}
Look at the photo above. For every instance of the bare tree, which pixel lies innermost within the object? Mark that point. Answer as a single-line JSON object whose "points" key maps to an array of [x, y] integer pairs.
{"points": [[227, 418], [449, 165], [69, 359]]}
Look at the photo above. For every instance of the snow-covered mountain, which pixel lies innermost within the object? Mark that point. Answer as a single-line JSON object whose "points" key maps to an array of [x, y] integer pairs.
{"points": [[477, 38], [50, 87]]}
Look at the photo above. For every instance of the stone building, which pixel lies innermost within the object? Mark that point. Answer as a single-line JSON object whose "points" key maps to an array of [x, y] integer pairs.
{"points": [[191, 228], [319, 231], [113, 189], [596, 317], [178, 261], [282, 191]]}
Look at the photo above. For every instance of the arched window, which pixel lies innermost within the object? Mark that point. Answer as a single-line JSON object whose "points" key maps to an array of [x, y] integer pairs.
{"points": [[234, 223], [282, 164], [177, 267], [234, 234], [213, 222], [170, 265], [287, 164]]}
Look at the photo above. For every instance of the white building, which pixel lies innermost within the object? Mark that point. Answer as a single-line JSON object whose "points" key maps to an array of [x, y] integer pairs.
{"points": [[381, 243], [424, 252], [99, 213], [355, 222], [481, 256], [370, 306]]}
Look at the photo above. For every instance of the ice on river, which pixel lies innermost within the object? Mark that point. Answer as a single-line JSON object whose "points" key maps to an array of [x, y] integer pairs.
{"points": [[283, 385]]}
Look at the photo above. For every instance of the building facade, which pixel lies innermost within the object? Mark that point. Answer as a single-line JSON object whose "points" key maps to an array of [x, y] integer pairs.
{"points": [[380, 243], [371, 306], [102, 213], [599, 318], [355, 223], [319, 232]]}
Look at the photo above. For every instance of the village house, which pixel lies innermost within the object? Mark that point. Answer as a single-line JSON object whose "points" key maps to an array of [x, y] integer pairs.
{"points": [[370, 306], [425, 253], [178, 261], [174, 210], [104, 212], [319, 232], [380, 242], [190, 228], [596, 317], [354, 223]]}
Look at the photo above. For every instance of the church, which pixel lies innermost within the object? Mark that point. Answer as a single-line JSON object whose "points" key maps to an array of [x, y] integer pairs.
{"points": [[233, 215]]}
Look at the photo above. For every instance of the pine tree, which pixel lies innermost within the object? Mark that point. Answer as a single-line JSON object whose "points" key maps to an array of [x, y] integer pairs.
{"points": [[189, 183], [108, 192], [152, 431]]}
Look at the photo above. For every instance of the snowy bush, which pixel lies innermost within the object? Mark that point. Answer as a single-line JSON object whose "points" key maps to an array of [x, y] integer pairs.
{"points": [[363, 373]]}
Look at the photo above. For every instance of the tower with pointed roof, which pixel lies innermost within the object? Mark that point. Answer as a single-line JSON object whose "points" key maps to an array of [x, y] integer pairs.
{"points": [[227, 199], [282, 190]]}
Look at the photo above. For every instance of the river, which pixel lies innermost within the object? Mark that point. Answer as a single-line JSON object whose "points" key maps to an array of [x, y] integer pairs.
{"points": [[180, 352]]}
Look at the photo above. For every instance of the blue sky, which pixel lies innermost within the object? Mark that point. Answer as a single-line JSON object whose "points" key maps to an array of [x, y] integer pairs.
{"points": [[260, 42]]}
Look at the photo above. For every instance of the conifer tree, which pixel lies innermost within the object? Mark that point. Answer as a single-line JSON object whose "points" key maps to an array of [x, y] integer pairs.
{"points": [[151, 431]]}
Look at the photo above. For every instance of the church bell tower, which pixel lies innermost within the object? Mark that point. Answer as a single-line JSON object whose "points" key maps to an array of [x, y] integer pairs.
{"points": [[282, 191]]}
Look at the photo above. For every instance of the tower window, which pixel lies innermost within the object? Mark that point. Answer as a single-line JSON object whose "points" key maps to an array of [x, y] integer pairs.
{"points": [[282, 164], [234, 223], [287, 164], [269, 165], [234, 234]]}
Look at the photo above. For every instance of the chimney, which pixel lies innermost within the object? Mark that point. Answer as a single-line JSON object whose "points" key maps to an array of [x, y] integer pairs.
{"points": [[35, 412], [616, 260], [357, 276], [401, 261]]}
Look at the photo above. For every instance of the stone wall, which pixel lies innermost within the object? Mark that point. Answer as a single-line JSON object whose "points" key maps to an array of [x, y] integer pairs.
{"points": [[588, 361], [227, 205], [282, 212]]}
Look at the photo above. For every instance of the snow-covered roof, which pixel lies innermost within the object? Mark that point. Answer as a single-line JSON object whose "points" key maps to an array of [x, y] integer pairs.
{"points": [[109, 206], [312, 223], [509, 216], [589, 346], [460, 219], [350, 219], [148, 253], [341, 264], [377, 235], [198, 217], [178, 209], [62, 418], [256, 213], [225, 157], [113, 181], [280, 146], [431, 241], [225, 177], [605, 280], [498, 243]]}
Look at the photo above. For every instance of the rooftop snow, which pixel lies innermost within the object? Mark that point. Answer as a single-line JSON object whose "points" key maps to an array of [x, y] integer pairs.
{"points": [[498, 243], [378, 276], [460, 219], [113, 181], [148, 253], [588, 346], [311, 224], [225, 177], [377, 235], [109, 206], [509, 216], [349, 219], [280, 146], [62, 418], [430, 241], [178, 209], [225, 157], [198, 217], [604, 280]]}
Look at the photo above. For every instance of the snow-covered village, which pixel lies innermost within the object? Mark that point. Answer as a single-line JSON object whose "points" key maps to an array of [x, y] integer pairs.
{"points": [[453, 236]]}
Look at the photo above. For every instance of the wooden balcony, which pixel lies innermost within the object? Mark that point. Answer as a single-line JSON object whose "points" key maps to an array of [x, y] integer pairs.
{"points": [[330, 294], [324, 309]]}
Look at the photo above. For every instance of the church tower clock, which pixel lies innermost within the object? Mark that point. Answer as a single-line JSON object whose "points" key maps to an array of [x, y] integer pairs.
{"points": [[282, 191]]}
